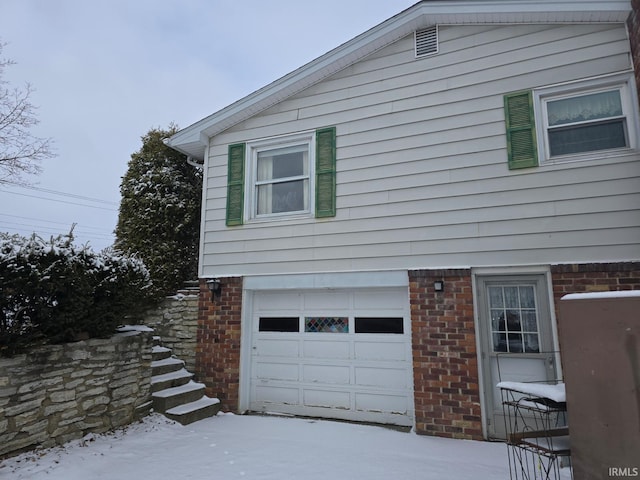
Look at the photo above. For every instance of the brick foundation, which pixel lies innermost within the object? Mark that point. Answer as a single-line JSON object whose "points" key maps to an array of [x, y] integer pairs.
{"points": [[218, 349], [447, 396]]}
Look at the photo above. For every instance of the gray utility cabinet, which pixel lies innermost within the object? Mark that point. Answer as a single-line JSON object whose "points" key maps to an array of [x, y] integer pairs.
{"points": [[600, 348]]}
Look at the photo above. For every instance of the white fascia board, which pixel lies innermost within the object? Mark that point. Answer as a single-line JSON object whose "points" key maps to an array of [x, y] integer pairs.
{"points": [[193, 139]]}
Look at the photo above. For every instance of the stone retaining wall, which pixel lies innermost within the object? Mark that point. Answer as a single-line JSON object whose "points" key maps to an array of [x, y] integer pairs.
{"points": [[58, 393], [175, 321]]}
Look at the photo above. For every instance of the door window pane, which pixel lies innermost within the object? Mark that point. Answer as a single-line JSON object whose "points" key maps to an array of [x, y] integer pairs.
{"points": [[514, 318]]}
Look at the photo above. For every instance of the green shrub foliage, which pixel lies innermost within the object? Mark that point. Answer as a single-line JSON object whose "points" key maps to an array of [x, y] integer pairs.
{"points": [[159, 217], [54, 291]]}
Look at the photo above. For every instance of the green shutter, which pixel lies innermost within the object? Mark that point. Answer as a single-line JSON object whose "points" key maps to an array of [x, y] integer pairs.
{"points": [[235, 184], [326, 172], [521, 130]]}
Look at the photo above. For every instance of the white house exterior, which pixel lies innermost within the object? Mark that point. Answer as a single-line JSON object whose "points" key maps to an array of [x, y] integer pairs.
{"points": [[393, 223]]}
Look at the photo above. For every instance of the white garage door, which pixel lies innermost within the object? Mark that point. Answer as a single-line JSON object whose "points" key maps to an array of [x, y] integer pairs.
{"points": [[333, 353]]}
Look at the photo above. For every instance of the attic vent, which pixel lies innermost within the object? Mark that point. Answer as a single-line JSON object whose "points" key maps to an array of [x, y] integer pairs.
{"points": [[427, 41]]}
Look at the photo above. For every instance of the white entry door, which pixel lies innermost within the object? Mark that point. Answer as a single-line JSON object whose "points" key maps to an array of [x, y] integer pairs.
{"points": [[516, 338], [333, 353]]}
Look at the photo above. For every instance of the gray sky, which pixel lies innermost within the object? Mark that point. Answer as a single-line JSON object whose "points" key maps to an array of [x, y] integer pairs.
{"points": [[106, 71]]}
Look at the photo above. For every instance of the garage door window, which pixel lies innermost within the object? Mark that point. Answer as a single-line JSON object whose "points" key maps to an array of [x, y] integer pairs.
{"points": [[379, 325], [326, 324], [279, 324]]}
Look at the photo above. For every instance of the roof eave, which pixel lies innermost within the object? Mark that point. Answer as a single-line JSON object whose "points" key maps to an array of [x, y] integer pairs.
{"points": [[193, 140]]}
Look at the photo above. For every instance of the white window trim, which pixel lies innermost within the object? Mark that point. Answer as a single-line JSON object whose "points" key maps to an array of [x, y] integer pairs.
{"points": [[625, 82], [253, 148]]}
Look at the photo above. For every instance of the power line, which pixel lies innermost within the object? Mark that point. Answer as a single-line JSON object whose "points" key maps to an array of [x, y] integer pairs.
{"points": [[64, 194], [21, 217], [60, 201]]}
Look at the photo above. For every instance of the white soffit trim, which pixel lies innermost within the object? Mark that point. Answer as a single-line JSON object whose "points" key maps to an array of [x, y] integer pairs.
{"points": [[192, 140]]}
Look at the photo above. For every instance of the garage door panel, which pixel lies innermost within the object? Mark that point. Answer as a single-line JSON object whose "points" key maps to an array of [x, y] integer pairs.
{"points": [[272, 347], [277, 395], [395, 352], [326, 301], [278, 371], [277, 302], [374, 301], [328, 374], [327, 398], [372, 402], [381, 377], [350, 358], [329, 349]]}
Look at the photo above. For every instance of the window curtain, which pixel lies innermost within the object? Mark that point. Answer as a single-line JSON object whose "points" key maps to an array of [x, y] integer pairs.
{"points": [[584, 108]]}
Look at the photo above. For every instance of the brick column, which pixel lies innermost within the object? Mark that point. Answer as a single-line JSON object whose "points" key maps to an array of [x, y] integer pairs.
{"points": [[445, 365], [218, 347], [633, 24]]}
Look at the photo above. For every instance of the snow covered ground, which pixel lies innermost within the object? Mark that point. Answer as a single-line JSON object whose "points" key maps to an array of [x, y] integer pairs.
{"points": [[255, 447]]}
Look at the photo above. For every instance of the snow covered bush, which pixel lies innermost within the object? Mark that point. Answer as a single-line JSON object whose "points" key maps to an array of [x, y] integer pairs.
{"points": [[159, 218], [54, 291]]}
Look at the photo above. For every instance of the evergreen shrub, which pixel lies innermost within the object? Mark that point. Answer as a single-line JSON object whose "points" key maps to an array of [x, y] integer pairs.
{"points": [[54, 291]]}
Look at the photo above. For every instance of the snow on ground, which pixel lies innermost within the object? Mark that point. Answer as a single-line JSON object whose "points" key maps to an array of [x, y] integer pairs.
{"points": [[265, 448]]}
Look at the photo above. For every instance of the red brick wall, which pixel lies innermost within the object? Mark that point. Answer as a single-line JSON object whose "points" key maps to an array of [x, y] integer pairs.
{"points": [[447, 396], [633, 24], [218, 348], [594, 277]]}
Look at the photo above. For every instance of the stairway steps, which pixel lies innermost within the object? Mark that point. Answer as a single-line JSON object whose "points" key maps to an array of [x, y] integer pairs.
{"points": [[173, 391], [191, 412], [160, 353], [169, 398], [166, 365], [171, 379]]}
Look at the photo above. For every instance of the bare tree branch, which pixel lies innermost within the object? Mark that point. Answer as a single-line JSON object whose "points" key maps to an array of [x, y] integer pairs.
{"points": [[21, 153]]}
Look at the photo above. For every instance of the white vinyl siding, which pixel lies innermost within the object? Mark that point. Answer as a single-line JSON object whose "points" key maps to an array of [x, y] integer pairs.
{"points": [[422, 177]]}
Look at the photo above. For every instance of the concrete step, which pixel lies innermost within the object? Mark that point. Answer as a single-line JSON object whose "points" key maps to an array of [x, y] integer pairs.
{"points": [[171, 379], [169, 398], [160, 353], [191, 412], [166, 365]]}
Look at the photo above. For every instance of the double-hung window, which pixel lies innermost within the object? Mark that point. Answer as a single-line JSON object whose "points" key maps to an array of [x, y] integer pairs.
{"points": [[585, 122], [284, 177], [281, 179], [579, 121]]}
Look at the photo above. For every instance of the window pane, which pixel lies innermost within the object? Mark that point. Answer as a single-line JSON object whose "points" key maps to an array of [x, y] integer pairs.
{"points": [[513, 321], [495, 297], [283, 197], [326, 324], [497, 320], [499, 342], [515, 343], [584, 108], [529, 321], [588, 138], [511, 297], [283, 163], [279, 324], [527, 297], [531, 343], [379, 325]]}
